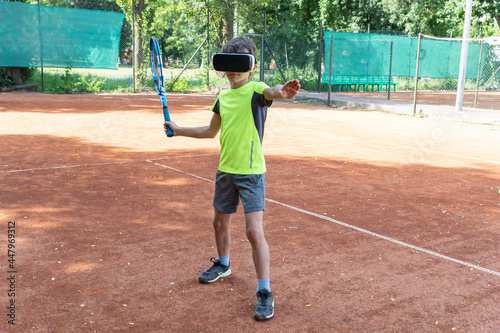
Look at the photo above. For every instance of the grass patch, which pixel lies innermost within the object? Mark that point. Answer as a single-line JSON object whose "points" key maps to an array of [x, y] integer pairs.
{"points": [[63, 81]]}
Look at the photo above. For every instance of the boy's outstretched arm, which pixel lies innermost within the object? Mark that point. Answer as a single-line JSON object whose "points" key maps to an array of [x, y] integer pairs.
{"points": [[202, 132], [287, 91]]}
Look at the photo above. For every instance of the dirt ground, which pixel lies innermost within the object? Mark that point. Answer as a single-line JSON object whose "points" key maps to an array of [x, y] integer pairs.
{"points": [[376, 222]]}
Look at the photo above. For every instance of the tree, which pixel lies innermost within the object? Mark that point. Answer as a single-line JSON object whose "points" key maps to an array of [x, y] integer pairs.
{"points": [[355, 16], [442, 18], [15, 75]]}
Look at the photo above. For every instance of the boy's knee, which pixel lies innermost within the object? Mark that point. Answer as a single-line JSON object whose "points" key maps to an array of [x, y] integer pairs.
{"points": [[221, 220], [255, 235], [219, 224]]}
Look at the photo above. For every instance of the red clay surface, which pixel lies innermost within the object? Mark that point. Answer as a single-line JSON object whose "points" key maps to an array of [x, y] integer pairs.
{"points": [[113, 220]]}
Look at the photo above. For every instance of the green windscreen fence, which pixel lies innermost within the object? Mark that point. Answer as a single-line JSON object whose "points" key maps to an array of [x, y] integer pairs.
{"points": [[43, 36], [370, 54]]}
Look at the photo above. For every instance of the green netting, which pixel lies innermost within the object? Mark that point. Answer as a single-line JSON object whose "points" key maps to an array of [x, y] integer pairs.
{"points": [[43, 36], [370, 54]]}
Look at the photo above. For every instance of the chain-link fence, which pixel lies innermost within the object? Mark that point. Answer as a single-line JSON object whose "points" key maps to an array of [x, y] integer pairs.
{"points": [[481, 79], [422, 69], [358, 65]]}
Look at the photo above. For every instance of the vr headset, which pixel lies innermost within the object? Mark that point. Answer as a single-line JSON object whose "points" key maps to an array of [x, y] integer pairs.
{"points": [[234, 62]]}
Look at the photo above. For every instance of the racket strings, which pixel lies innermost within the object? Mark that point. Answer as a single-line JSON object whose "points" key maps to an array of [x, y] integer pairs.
{"points": [[156, 64]]}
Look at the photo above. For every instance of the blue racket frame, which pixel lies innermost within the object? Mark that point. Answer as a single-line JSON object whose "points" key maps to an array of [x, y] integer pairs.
{"points": [[159, 80]]}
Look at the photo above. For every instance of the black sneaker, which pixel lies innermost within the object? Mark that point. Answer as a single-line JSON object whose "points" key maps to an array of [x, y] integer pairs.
{"points": [[264, 309], [215, 272]]}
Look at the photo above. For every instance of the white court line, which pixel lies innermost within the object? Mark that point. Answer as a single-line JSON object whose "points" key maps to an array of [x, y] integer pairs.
{"points": [[438, 152], [65, 167], [99, 164], [420, 249], [180, 171], [183, 156]]}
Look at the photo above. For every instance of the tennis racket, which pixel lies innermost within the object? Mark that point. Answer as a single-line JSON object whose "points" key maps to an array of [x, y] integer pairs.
{"points": [[159, 80]]}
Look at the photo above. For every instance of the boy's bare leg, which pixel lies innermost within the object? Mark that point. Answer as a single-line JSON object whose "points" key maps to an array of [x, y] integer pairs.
{"points": [[260, 250], [264, 309], [220, 267], [222, 222]]}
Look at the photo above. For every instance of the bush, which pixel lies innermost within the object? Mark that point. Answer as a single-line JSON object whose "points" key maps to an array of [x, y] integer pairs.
{"points": [[70, 82], [6, 77], [89, 83], [308, 77]]}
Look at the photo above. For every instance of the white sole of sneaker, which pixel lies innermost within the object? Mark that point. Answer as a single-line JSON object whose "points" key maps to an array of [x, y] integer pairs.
{"points": [[226, 273], [262, 318]]}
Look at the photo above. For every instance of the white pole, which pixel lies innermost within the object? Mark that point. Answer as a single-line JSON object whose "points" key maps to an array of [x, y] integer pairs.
{"points": [[463, 59]]}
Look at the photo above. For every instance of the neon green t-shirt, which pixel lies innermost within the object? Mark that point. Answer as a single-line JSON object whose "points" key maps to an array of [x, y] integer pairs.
{"points": [[243, 113]]}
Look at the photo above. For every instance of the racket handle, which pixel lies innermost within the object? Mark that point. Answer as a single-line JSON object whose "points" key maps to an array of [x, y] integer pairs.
{"points": [[166, 115]]}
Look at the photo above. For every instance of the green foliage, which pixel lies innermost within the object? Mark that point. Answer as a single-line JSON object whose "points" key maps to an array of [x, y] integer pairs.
{"points": [[442, 84], [69, 82], [6, 77], [308, 77], [142, 74], [110, 5], [194, 81], [182, 84], [27, 73], [89, 83], [355, 16]]}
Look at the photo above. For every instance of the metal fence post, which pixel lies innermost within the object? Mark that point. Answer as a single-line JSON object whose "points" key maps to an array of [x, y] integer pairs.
{"points": [[208, 49], [330, 71], [262, 49], [390, 74], [478, 73], [320, 54], [462, 75], [287, 66], [134, 50], [41, 45], [416, 74]]}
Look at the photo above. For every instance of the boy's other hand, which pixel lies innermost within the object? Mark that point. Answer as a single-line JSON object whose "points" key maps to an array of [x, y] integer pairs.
{"points": [[290, 89]]}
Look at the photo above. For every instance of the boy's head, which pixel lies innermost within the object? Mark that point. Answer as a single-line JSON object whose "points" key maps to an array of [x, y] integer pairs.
{"points": [[240, 45], [241, 57]]}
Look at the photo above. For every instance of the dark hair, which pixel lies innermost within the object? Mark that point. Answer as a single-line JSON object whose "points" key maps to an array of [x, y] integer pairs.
{"points": [[240, 44]]}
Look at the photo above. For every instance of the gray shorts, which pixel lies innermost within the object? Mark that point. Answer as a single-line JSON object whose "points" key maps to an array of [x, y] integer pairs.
{"points": [[229, 188]]}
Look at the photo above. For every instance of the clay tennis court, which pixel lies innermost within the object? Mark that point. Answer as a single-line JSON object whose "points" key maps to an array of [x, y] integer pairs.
{"points": [[376, 222]]}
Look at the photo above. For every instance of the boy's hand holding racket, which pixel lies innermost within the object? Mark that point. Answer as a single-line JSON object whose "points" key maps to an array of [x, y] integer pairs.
{"points": [[170, 126]]}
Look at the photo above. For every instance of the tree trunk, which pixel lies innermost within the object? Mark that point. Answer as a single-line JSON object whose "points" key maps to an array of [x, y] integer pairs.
{"points": [[229, 22], [140, 6], [228, 29], [15, 72]]}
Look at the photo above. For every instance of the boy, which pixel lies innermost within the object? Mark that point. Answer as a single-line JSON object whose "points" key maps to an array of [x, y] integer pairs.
{"points": [[240, 113]]}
